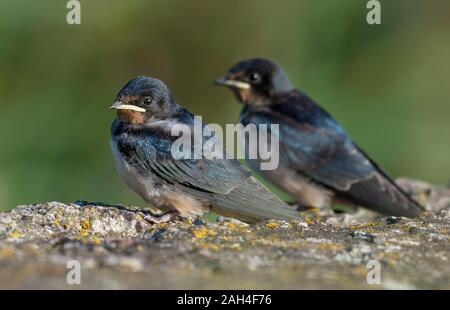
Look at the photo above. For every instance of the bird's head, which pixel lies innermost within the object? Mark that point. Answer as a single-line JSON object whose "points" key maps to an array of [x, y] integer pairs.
{"points": [[256, 81], [144, 98]]}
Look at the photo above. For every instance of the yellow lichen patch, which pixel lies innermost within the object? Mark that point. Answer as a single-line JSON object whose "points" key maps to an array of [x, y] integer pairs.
{"points": [[14, 234], [271, 225], [56, 223], [85, 225], [230, 225], [234, 226], [355, 226], [202, 232]]}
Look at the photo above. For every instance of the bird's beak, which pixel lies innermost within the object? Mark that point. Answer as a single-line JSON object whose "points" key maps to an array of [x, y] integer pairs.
{"points": [[225, 81], [119, 105]]}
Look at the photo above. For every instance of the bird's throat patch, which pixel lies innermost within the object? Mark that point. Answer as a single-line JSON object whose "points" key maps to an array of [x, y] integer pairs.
{"points": [[247, 96], [130, 116]]}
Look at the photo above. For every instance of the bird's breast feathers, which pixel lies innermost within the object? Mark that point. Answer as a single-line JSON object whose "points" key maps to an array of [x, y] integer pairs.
{"points": [[145, 187]]}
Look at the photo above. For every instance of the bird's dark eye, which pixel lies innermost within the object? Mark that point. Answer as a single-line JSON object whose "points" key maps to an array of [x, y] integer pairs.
{"points": [[147, 101], [254, 77]]}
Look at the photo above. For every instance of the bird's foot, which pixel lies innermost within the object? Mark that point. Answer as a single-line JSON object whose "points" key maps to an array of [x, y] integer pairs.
{"points": [[164, 218]]}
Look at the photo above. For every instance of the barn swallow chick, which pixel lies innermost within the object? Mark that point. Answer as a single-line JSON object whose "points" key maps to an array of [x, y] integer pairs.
{"points": [[319, 163], [141, 143]]}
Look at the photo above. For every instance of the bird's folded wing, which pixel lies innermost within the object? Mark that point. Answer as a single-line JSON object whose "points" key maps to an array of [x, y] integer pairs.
{"points": [[329, 157], [224, 183]]}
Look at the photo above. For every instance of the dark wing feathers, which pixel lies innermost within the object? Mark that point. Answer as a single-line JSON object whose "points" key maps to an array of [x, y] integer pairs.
{"points": [[225, 184], [315, 145], [395, 201], [254, 200], [321, 154]]}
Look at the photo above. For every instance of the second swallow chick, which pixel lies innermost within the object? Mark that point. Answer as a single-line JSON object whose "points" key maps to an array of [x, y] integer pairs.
{"points": [[319, 163]]}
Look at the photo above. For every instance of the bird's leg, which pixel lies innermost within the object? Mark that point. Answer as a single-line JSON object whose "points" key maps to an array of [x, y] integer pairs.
{"points": [[164, 218]]}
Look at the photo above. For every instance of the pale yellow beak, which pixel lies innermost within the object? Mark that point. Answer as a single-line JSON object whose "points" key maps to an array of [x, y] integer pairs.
{"points": [[232, 83], [118, 105]]}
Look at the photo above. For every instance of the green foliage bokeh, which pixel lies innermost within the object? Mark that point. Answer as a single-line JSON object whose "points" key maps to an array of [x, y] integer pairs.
{"points": [[387, 84]]}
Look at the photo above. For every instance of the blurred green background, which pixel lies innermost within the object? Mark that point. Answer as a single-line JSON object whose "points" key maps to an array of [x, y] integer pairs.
{"points": [[389, 85]]}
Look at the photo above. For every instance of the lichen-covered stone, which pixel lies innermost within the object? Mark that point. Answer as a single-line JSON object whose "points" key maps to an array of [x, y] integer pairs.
{"points": [[117, 248]]}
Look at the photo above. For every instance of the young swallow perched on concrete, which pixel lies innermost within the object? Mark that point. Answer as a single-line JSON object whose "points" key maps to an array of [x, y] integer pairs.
{"points": [[319, 163], [141, 143]]}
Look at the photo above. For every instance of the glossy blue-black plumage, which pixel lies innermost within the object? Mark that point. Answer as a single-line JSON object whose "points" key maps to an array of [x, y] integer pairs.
{"points": [[314, 145], [223, 184], [311, 141]]}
